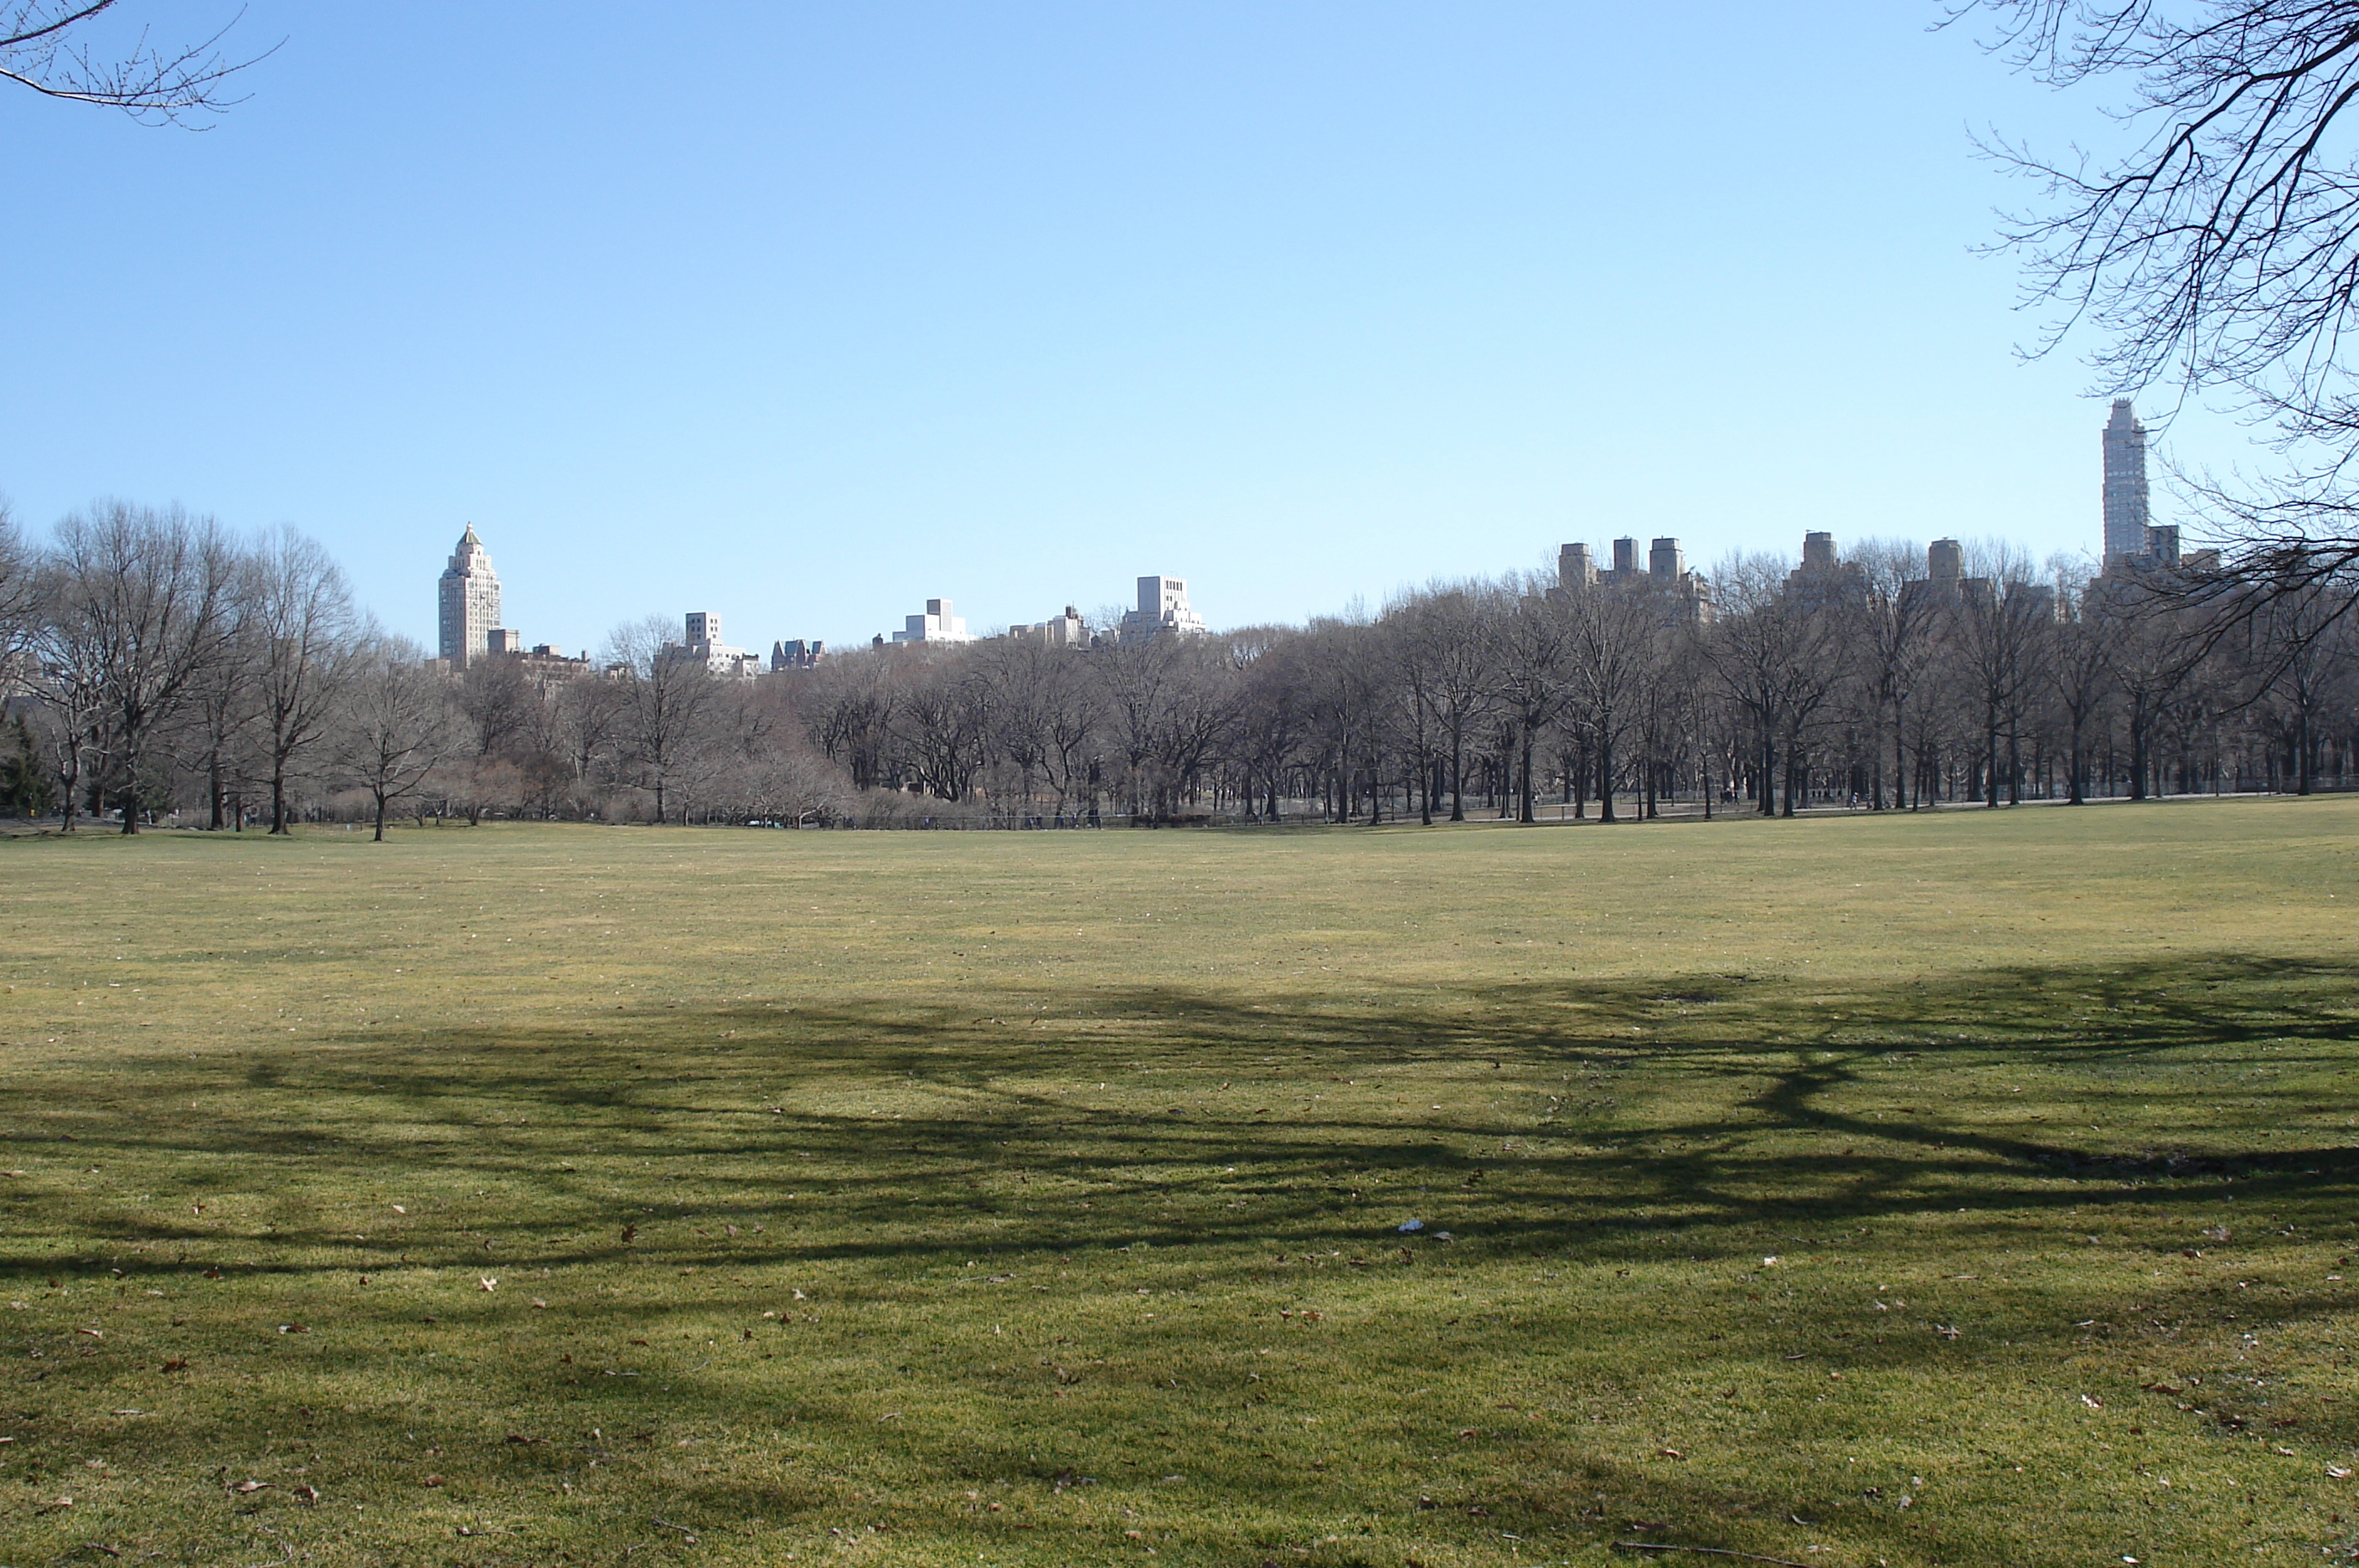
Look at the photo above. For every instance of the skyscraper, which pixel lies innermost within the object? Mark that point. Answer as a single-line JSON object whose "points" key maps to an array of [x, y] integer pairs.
{"points": [[470, 601], [2127, 515]]}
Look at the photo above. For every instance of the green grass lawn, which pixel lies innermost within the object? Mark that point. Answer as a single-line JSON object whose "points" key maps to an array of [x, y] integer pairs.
{"points": [[1969, 1188]]}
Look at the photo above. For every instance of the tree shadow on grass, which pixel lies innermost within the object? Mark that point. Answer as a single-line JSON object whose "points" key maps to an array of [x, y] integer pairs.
{"points": [[1707, 1102], [887, 1146]]}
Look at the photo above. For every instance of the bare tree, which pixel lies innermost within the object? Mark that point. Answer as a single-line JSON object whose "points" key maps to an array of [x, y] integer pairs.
{"points": [[16, 586], [395, 726], [224, 705], [661, 702], [76, 51], [848, 706], [499, 702], [1891, 638], [2079, 676], [302, 629], [583, 719], [138, 605], [1137, 677], [2299, 665], [1198, 718], [1275, 713], [1534, 646], [1997, 626], [2214, 246], [1777, 659], [1043, 707], [946, 721], [1457, 627], [1405, 655], [1608, 664], [2149, 658]]}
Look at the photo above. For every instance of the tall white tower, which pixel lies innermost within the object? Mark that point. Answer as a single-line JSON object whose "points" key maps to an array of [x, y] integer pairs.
{"points": [[2126, 512], [470, 601]]}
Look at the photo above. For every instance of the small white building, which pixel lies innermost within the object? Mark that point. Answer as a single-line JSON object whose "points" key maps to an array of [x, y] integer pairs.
{"points": [[703, 646], [1162, 611], [936, 625], [1067, 630]]}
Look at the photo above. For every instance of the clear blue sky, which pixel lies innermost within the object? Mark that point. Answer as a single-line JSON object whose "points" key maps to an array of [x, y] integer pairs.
{"points": [[804, 313]]}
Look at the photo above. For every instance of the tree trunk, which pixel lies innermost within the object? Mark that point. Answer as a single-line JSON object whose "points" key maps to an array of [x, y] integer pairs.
{"points": [[1899, 761], [1990, 761]]}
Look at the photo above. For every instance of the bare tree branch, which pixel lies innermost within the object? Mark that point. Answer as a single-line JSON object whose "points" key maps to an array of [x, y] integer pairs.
{"points": [[49, 47]]}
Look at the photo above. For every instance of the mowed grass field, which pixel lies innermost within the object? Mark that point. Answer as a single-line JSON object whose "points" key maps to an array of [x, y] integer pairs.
{"points": [[1969, 1188]]}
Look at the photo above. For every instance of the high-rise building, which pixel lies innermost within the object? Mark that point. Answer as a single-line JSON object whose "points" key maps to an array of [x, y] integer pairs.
{"points": [[1162, 609], [469, 596], [2127, 514], [936, 625], [1825, 579], [1680, 594]]}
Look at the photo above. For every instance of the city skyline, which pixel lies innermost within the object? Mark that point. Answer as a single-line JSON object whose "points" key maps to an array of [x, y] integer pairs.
{"points": [[1001, 292], [2126, 536]]}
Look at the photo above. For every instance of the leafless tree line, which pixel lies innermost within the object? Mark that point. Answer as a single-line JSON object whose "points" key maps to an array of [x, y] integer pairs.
{"points": [[157, 666], [1876, 688], [147, 654], [154, 665]]}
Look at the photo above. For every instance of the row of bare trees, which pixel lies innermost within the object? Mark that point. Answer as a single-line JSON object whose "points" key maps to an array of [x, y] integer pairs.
{"points": [[150, 657], [153, 663], [1869, 686], [157, 664]]}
